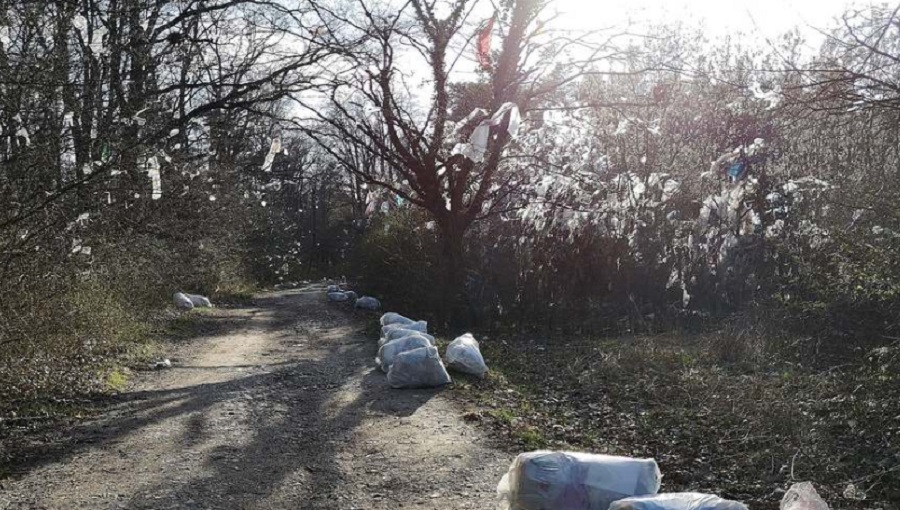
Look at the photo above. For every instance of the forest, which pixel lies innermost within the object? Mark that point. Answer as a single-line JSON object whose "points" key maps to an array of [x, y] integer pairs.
{"points": [[645, 212]]}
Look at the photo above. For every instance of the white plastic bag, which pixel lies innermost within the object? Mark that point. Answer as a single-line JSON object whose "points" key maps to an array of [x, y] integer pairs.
{"points": [[182, 301], [351, 295], [367, 303], [677, 501], [464, 355], [420, 326], [396, 333], [333, 288], [418, 368], [338, 297], [574, 481], [803, 496], [394, 318], [199, 301], [388, 352]]}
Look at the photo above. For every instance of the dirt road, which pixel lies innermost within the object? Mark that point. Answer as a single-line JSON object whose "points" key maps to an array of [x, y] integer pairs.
{"points": [[282, 407]]}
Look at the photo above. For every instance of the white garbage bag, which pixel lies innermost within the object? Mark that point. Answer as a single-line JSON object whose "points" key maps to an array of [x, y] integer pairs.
{"points": [[182, 301], [574, 481], [333, 288], [351, 295], [420, 326], [338, 297], [464, 355], [418, 368], [394, 318], [388, 352], [677, 501], [199, 301], [803, 496], [367, 303], [396, 333]]}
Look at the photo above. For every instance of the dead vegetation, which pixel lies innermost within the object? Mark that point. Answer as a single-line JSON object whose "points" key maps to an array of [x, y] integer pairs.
{"points": [[744, 430]]}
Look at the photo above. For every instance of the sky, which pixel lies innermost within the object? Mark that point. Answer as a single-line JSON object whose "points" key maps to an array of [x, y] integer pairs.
{"points": [[760, 18]]}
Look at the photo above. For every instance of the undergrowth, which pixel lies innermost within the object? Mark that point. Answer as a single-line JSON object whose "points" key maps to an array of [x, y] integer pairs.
{"points": [[744, 428]]}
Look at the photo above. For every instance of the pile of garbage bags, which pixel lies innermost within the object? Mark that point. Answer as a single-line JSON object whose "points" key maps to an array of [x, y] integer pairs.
{"points": [[554, 480], [337, 294], [190, 301], [407, 353]]}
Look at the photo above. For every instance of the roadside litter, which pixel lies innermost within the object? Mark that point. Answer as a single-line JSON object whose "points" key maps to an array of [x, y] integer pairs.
{"points": [[389, 351], [182, 301], [418, 368], [420, 326], [394, 318], [574, 481], [395, 333], [802, 496], [464, 355], [367, 303], [338, 297], [677, 501], [199, 301]]}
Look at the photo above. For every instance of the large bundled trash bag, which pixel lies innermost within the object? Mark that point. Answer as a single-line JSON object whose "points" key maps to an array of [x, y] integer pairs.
{"points": [[420, 326], [396, 333], [333, 288], [418, 368], [677, 501], [182, 301], [464, 355], [351, 295], [802, 496], [389, 351], [367, 303], [547, 480], [394, 318], [338, 297], [199, 301]]}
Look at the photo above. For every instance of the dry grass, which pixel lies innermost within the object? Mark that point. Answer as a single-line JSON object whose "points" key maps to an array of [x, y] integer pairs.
{"points": [[717, 415]]}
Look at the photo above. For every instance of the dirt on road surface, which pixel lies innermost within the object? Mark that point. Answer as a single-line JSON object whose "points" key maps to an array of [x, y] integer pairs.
{"points": [[281, 407]]}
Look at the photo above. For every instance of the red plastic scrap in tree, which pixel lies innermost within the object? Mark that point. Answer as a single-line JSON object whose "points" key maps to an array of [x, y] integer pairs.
{"points": [[483, 45]]}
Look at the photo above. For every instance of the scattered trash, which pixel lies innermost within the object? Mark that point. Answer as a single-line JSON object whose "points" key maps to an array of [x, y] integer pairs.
{"points": [[389, 351], [199, 301], [464, 355], [574, 481], [367, 303], [419, 368], [160, 365], [802, 496], [182, 301], [677, 501]]}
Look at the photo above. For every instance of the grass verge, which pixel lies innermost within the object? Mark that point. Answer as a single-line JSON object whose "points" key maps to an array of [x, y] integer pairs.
{"points": [[744, 430]]}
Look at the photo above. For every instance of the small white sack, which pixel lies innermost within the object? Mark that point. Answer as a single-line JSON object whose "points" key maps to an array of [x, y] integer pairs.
{"points": [[464, 355], [418, 368], [199, 301], [333, 288], [367, 303], [394, 318], [182, 301], [338, 297], [803, 496], [420, 326], [396, 333], [351, 295], [388, 352], [574, 481], [677, 501]]}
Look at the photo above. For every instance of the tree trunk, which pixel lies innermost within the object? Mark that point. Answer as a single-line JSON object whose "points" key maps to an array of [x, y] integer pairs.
{"points": [[453, 298]]}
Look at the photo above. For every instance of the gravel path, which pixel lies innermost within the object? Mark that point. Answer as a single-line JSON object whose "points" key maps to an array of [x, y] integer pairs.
{"points": [[282, 407]]}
